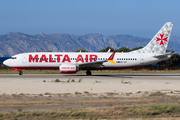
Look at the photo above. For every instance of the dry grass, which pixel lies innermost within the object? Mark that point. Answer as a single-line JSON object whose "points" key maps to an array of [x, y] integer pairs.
{"points": [[54, 103], [57, 80], [158, 93], [111, 112], [111, 94], [125, 71], [77, 93], [47, 93], [109, 108]]}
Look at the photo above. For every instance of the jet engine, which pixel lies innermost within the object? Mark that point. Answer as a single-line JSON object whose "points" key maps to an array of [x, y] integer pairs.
{"points": [[68, 68]]}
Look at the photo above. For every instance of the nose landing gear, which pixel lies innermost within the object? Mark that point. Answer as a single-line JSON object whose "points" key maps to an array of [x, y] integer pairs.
{"points": [[17, 69], [20, 73]]}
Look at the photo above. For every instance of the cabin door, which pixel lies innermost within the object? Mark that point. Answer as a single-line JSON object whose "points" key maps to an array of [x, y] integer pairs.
{"points": [[142, 59], [24, 59]]}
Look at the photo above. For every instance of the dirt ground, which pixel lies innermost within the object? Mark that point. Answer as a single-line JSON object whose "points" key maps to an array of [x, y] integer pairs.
{"points": [[99, 92], [48, 101]]}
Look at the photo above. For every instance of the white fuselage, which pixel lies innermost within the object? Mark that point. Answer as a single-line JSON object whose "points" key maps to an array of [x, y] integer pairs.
{"points": [[52, 60]]}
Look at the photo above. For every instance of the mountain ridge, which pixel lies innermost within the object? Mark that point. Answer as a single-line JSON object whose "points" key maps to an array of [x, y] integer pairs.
{"points": [[17, 42]]}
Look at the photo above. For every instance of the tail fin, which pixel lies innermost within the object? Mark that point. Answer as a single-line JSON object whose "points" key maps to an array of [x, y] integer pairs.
{"points": [[159, 42]]}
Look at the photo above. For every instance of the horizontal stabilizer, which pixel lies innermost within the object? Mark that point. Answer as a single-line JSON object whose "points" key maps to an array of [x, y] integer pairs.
{"points": [[164, 55]]}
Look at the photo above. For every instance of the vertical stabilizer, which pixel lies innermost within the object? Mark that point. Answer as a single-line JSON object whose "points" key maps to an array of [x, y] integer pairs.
{"points": [[159, 42]]}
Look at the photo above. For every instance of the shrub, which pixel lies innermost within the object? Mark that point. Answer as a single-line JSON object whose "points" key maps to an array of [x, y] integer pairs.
{"points": [[57, 80]]}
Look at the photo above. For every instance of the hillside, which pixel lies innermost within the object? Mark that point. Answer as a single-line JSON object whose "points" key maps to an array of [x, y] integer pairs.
{"points": [[15, 42]]}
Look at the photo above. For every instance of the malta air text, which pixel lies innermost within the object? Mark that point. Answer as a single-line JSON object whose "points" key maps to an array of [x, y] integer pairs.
{"points": [[61, 58]]}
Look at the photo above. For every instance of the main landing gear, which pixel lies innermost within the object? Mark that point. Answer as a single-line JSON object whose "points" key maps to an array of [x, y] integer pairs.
{"points": [[20, 73], [88, 72]]}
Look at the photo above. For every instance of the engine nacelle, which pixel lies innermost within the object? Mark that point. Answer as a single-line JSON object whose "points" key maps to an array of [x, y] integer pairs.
{"points": [[67, 68]]}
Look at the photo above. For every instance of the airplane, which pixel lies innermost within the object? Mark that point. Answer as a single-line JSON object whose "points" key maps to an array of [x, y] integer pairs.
{"points": [[71, 62]]}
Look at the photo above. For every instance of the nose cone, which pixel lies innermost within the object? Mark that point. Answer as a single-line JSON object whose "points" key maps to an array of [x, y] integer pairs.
{"points": [[6, 62]]}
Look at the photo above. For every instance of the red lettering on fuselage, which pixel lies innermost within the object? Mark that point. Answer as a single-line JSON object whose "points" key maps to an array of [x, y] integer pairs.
{"points": [[66, 58], [86, 58], [43, 58], [93, 58], [33, 58], [79, 58], [50, 59], [58, 57]]}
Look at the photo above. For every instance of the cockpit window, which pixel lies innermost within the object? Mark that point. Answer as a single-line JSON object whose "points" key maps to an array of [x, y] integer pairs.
{"points": [[14, 58]]}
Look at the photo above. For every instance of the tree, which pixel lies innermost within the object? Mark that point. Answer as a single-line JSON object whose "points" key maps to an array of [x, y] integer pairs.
{"points": [[106, 49], [136, 48], [82, 50], [123, 49], [49, 51], [39, 51]]}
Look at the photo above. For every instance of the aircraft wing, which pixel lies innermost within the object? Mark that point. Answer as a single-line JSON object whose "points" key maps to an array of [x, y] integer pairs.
{"points": [[99, 63], [169, 54], [95, 63]]}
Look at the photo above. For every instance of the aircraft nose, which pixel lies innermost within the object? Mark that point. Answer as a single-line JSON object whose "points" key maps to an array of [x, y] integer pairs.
{"points": [[6, 62]]}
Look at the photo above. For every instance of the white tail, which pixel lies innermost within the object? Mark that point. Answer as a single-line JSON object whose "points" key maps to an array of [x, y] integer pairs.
{"points": [[159, 42]]}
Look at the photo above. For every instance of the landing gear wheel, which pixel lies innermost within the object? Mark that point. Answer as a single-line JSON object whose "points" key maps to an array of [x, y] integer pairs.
{"points": [[20, 73], [88, 72]]}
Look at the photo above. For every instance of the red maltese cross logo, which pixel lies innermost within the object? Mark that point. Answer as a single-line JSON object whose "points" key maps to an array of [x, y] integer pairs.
{"points": [[161, 39]]}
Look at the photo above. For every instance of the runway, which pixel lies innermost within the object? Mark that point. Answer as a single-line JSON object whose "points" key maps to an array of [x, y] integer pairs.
{"points": [[96, 84]]}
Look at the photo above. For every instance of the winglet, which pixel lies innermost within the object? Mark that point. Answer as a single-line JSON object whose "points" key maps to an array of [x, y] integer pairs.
{"points": [[110, 59], [109, 51]]}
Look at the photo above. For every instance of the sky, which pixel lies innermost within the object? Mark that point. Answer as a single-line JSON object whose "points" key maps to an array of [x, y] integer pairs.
{"points": [[142, 18]]}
